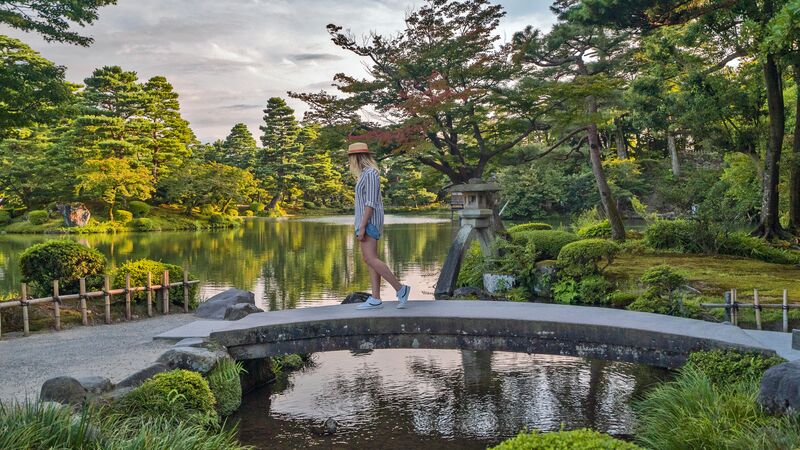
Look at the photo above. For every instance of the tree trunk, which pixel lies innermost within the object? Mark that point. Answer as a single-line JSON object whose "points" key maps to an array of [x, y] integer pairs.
{"points": [[622, 144], [769, 226], [274, 202], [606, 198], [794, 168], [673, 155]]}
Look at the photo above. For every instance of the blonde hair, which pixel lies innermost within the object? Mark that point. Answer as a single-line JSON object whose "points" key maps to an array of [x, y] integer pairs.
{"points": [[361, 161]]}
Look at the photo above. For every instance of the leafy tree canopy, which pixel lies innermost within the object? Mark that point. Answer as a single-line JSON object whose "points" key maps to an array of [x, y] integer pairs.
{"points": [[52, 19]]}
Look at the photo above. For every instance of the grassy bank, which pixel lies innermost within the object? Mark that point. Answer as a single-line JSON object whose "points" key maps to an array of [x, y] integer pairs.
{"points": [[162, 218]]}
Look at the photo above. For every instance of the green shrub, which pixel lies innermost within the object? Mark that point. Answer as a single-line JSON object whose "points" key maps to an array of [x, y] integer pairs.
{"points": [[161, 434], [691, 412], [600, 229], [548, 243], [592, 290], [232, 212], [620, 299], [138, 271], [226, 385], [123, 216], [249, 213], [652, 303], [216, 219], [142, 224], [257, 207], [471, 273], [663, 279], [207, 210], [583, 258], [178, 395], [740, 244], [582, 439], [139, 209], [5, 217], [724, 367], [679, 235], [63, 260], [531, 226], [38, 217]]}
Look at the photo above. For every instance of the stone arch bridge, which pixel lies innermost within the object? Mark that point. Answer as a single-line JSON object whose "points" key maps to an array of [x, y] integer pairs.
{"points": [[601, 333]]}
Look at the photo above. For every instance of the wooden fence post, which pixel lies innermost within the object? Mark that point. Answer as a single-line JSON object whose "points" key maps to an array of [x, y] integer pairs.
{"points": [[735, 307], [26, 327], [757, 309], [165, 291], [56, 305], [149, 294], [82, 292], [107, 297], [185, 289], [727, 297], [785, 310], [127, 296]]}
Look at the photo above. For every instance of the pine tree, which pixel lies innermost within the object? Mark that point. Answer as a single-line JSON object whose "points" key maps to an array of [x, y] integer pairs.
{"points": [[239, 149], [279, 166]]}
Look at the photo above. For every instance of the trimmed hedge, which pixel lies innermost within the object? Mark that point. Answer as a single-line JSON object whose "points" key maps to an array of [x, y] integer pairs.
{"points": [[724, 367], [582, 439], [679, 235], [38, 217], [226, 385], [600, 229], [178, 395], [740, 244], [548, 243], [531, 226], [142, 224], [123, 216], [64, 260], [139, 209], [581, 258], [138, 270]]}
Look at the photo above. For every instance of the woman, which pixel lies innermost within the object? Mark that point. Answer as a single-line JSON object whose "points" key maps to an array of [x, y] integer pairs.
{"points": [[369, 225]]}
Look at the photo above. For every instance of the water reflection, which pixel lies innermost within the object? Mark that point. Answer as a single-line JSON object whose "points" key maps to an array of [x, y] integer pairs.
{"points": [[287, 263], [442, 399]]}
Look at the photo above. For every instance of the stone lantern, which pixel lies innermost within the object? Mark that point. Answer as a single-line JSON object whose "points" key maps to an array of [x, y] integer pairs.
{"points": [[477, 221]]}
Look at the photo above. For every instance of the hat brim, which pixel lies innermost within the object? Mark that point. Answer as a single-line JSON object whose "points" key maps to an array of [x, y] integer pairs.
{"points": [[359, 151]]}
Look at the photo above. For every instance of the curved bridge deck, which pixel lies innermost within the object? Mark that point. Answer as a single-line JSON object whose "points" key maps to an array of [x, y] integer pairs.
{"points": [[603, 333]]}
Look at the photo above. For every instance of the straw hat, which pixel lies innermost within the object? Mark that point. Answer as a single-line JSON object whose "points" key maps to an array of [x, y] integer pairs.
{"points": [[357, 147]]}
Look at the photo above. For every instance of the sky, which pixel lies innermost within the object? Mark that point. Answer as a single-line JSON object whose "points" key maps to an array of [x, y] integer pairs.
{"points": [[226, 58]]}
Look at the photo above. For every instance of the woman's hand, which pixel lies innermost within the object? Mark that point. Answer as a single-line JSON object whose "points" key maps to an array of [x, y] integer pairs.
{"points": [[361, 234]]}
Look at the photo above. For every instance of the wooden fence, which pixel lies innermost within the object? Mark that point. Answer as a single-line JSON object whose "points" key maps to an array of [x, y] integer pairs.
{"points": [[732, 306], [107, 293]]}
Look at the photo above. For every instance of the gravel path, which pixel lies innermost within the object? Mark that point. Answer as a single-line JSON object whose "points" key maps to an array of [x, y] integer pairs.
{"points": [[114, 351]]}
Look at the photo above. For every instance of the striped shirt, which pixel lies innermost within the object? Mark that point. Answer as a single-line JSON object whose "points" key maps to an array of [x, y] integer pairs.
{"points": [[368, 193]]}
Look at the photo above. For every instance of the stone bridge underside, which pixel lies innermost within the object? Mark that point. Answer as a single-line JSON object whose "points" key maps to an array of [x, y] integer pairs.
{"points": [[602, 333]]}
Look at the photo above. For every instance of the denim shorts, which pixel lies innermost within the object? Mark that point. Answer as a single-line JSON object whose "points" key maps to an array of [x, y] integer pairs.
{"points": [[372, 231]]}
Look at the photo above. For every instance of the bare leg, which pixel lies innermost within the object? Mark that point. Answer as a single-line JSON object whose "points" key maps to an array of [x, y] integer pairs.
{"points": [[369, 249], [375, 281]]}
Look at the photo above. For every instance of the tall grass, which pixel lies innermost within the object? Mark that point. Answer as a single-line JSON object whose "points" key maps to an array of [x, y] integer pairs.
{"points": [[691, 412], [38, 426]]}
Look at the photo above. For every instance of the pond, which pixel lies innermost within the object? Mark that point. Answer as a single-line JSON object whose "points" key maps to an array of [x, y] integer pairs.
{"points": [[387, 398]]}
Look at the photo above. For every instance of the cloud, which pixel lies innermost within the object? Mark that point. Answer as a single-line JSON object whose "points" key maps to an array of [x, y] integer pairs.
{"points": [[226, 57]]}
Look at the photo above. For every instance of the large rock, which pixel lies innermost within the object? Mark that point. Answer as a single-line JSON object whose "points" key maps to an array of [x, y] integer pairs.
{"points": [[469, 293], [96, 385], [355, 297], [780, 388], [196, 359], [64, 390], [141, 376], [215, 307], [75, 214], [241, 310]]}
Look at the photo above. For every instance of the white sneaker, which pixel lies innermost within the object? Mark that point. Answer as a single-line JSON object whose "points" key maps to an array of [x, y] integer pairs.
{"points": [[371, 303], [402, 296]]}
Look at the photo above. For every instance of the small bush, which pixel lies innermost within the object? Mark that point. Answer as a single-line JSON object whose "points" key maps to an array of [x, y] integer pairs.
{"points": [[583, 258], [620, 299], [207, 210], [249, 213], [226, 385], [679, 235], [142, 224], [740, 244], [471, 273], [663, 279], [139, 209], [582, 439], [123, 216], [63, 260], [216, 219], [596, 230], [592, 290], [232, 212], [5, 217], [548, 243], [138, 270], [257, 207], [691, 412], [531, 226], [725, 367], [38, 217], [177, 395]]}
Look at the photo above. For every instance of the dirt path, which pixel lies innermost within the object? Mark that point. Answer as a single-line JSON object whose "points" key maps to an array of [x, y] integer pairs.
{"points": [[114, 351]]}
